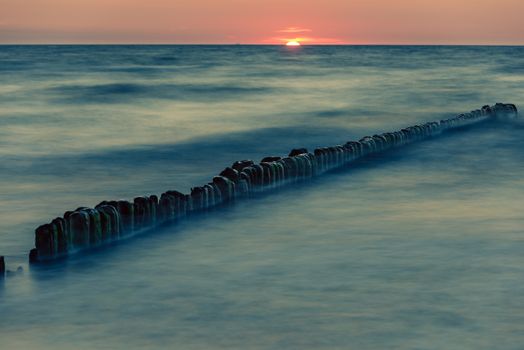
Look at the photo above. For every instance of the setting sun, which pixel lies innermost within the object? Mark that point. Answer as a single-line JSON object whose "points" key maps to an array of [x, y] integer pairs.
{"points": [[293, 43]]}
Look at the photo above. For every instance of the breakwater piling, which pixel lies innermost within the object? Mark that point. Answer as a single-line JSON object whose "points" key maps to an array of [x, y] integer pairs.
{"points": [[2, 267], [109, 221]]}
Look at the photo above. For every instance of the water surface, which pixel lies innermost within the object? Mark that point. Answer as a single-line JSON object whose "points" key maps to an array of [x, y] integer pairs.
{"points": [[419, 248]]}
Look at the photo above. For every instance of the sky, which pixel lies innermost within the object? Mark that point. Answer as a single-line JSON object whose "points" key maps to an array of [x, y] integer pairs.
{"points": [[473, 22]]}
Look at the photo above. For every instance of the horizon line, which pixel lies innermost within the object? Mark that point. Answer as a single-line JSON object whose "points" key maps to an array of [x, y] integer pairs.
{"points": [[242, 44]]}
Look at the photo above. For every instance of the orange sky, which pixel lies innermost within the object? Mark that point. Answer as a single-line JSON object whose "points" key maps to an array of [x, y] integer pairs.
{"points": [[263, 21]]}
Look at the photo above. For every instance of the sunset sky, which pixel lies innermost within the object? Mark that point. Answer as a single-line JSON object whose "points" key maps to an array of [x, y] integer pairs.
{"points": [[263, 21]]}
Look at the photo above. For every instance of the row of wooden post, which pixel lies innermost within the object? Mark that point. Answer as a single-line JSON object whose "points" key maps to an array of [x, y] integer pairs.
{"points": [[108, 221]]}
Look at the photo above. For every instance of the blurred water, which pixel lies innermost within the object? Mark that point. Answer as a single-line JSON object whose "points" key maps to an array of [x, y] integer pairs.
{"points": [[420, 248]]}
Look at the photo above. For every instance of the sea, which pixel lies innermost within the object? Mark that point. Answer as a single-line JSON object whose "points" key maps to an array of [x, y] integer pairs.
{"points": [[417, 248]]}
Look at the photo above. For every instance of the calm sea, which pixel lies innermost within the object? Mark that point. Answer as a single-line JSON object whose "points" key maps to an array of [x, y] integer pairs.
{"points": [[420, 248]]}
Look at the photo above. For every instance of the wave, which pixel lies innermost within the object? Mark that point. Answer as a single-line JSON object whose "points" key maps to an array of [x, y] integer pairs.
{"points": [[121, 92]]}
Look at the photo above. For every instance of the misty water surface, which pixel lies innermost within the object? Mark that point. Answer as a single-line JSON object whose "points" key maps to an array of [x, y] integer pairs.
{"points": [[419, 248]]}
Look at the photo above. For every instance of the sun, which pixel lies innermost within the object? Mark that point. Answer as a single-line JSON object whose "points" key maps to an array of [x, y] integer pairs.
{"points": [[292, 43]]}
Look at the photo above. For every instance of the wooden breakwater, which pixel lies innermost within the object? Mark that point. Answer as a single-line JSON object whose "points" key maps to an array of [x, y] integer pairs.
{"points": [[2, 267], [109, 221]]}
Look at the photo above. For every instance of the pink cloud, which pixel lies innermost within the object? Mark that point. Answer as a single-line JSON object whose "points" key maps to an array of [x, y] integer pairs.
{"points": [[294, 30]]}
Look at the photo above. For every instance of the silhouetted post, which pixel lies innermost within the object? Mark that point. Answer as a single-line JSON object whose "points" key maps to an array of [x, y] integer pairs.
{"points": [[2, 267]]}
